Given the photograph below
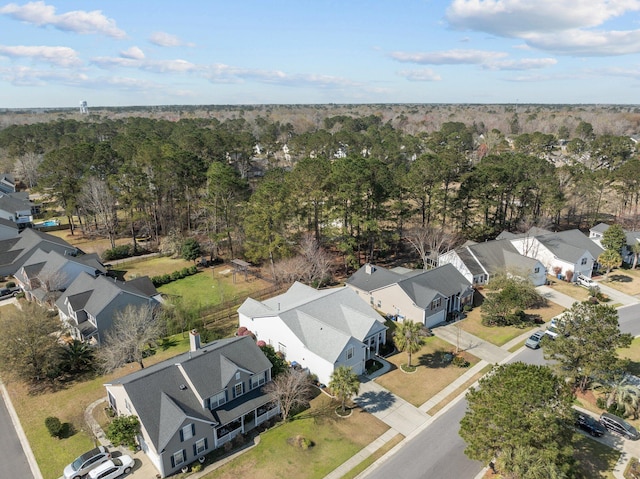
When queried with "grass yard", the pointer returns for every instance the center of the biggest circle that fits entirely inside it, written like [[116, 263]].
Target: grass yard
[[152, 266], [500, 335], [87, 244], [578, 293], [624, 280], [632, 353], [432, 374], [69, 405], [213, 286], [335, 440], [595, 460]]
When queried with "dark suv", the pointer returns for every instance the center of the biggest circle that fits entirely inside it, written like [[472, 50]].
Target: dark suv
[[619, 425], [589, 424], [9, 292]]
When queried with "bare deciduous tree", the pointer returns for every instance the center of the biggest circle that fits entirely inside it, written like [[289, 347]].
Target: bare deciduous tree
[[134, 330], [312, 266], [429, 242], [50, 282], [291, 389], [26, 168], [99, 202]]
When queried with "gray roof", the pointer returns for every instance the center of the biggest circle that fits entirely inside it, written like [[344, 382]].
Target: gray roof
[[369, 278], [600, 228], [9, 224], [102, 297], [52, 262], [444, 280], [162, 405], [533, 231], [570, 245], [632, 236], [14, 252], [14, 202], [493, 257], [324, 320]]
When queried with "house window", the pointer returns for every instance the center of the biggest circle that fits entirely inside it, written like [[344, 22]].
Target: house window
[[127, 405], [350, 352], [178, 458], [436, 303], [379, 304], [371, 299], [200, 446], [187, 432], [536, 270], [258, 380], [282, 348], [584, 261], [237, 390], [237, 375], [218, 399]]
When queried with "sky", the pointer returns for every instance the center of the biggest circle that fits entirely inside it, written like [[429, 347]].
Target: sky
[[56, 53]]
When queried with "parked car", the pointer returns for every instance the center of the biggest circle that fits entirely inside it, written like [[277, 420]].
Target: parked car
[[586, 282], [534, 340], [619, 425], [552, 331], [85, 463], [9, 292], [113, 468], [589, 424]]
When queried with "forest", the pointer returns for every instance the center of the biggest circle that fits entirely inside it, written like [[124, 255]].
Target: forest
[[362, 181]]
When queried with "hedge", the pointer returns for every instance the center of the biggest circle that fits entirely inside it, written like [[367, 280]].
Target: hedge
[[176, 275]]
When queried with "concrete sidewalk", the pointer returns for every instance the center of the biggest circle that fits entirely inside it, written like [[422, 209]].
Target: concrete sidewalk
[[455, 335], [556, 296]]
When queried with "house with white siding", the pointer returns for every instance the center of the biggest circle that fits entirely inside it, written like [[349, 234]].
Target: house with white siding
[[318, 329]]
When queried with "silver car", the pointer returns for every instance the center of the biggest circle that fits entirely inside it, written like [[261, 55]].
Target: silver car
[[89, 460], [534, 340]]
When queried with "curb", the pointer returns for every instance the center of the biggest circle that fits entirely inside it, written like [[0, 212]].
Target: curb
[[26, 447]]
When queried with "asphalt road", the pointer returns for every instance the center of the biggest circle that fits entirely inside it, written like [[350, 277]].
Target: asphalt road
[[12, 457], [437, 452]]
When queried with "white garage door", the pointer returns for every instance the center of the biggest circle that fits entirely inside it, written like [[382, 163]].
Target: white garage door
[[434, 319]]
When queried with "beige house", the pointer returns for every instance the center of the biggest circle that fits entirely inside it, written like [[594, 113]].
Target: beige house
[[427, 297]]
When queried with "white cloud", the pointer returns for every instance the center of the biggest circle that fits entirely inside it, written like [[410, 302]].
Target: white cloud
[[517, 17], [561, 26], [60, 56], [78, 21], [27, 76], [420, 75], [157, 66], [449, 57], [163, 39], [524, 64], [134, 53]]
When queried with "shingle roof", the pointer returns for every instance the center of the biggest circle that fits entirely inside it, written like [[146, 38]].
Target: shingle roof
[[163, 405], [569, 245], [323, 320], [370, 278], [15, 251]]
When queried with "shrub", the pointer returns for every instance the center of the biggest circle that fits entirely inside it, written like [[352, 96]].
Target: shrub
[[11, 284], [196, 467], [460, 362], [54, 426], [601, 403], [119, 252]]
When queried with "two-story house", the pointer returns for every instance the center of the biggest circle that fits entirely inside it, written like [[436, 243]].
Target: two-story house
[[633, 237], [426, 297], [15, 251], [194, 403], [319, 329], [46, 274], [17, 207], [89, 305]]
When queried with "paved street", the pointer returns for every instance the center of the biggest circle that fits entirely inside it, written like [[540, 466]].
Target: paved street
[[12, 457]]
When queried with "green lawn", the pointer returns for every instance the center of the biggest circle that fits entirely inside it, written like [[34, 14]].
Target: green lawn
[[68, 404], [595, 460], [334, 440]]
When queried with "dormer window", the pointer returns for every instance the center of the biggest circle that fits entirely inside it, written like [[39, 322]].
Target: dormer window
[[258, 380], [218, 400], [238, 390]]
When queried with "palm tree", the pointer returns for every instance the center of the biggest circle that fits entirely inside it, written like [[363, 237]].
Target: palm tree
[[407, 338], [609, 259], [344, 383], [622, 392], [77, 356], [527, 462]]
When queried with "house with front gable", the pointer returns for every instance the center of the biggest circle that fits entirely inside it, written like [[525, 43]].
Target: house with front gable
[[17, 207], [426, 297], [90, 304], [46, 274], [633, 237], [480, 262], [196, 402], [7, 183], [318, 329], [15, 251], [569, 250]]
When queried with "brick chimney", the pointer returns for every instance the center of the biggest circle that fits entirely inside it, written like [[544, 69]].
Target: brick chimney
[[194, 340]]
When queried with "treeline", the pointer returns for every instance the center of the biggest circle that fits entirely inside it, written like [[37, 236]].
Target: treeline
[[356, 183]]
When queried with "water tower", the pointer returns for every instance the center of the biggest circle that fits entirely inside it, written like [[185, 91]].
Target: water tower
[[84, 109]]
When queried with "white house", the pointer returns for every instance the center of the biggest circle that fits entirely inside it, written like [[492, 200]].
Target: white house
[[565, 251], [479, 262], [633, 237], [318, 329]]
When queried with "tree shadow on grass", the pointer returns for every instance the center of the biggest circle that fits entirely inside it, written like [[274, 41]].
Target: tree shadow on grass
[[167, 343], [372, 401], [436, 360], [620, 278]]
